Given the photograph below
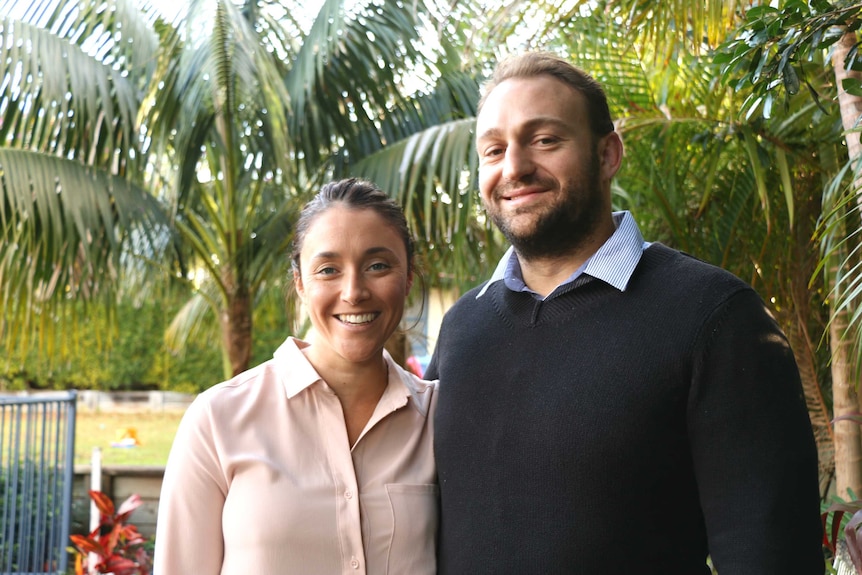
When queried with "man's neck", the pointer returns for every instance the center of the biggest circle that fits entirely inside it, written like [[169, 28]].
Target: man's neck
[[544, 274]]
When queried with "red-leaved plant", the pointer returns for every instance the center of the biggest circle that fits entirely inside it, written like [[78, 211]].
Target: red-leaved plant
[[114, 546]]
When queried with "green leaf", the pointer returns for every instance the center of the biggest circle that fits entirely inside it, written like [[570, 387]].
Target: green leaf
[[791, 80], [758, 12], [786, 182], [852, 86], [757, 169], [853, 61], [768, 100]]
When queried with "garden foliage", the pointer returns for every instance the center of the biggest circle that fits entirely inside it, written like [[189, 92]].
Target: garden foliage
[[115, 545]]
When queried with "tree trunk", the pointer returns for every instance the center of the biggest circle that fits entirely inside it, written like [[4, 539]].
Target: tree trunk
[[848, 444], [236, 332], [848, 439], [799, 318], [818, 411]]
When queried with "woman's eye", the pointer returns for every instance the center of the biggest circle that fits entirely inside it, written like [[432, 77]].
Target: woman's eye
[[378, 266], [326, 271]]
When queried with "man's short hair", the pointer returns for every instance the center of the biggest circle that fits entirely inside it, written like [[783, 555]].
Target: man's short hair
[[532, 64]]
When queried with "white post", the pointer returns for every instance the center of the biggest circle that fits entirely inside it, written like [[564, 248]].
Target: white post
[[95, 485]]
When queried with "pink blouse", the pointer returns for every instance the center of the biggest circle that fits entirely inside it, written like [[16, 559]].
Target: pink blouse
[[261, 479]]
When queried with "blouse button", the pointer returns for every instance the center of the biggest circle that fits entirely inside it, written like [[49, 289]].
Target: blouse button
[[348, 494], [354, 563]]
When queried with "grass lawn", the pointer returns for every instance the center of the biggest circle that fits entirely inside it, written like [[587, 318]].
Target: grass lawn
[[155, 432]]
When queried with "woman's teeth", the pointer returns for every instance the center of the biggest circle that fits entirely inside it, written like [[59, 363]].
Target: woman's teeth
[[356, 318]]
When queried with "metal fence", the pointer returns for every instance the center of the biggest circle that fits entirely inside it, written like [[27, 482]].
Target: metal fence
[[37, 449]]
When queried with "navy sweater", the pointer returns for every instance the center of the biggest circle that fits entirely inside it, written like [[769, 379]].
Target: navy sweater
[[624, 432]]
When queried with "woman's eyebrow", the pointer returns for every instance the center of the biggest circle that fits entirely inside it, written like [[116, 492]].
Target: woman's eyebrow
[[370, 252]]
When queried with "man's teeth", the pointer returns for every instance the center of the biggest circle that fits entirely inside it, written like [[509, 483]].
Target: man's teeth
[[356, 317]]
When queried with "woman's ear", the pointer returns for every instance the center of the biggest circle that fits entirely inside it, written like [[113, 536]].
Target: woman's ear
[[409, 282], [297, 283]]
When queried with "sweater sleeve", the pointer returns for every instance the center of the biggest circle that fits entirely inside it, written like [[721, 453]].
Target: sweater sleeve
[[752, 445], [189, 527]]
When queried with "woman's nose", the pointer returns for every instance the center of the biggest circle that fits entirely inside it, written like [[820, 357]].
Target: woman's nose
[[354, 289]]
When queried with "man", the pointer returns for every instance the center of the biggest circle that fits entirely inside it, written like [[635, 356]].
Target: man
[[607, 405]]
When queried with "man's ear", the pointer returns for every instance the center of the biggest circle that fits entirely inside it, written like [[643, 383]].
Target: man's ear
[[610, 151]]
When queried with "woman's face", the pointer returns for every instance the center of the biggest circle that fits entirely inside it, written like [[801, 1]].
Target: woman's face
[[353, 279]]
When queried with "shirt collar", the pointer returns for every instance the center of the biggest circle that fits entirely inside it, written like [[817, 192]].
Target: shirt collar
[[614, 262], [297, 373], [294, 369]]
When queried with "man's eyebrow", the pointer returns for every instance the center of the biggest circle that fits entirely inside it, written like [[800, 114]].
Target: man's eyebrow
[[489, 133], [532, 124]]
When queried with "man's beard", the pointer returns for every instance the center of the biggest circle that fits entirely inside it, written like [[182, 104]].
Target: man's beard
[[567, 225]]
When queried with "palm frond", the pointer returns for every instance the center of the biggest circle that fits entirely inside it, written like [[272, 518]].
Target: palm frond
[[269, 246], [70, 232], [432, 174], [195, 319], [351, 69], [38, 73], [118, 33], [839, 235]]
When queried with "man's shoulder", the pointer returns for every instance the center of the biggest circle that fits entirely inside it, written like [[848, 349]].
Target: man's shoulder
[[684, 266], [470, 298], [676, 276], [468, 305]]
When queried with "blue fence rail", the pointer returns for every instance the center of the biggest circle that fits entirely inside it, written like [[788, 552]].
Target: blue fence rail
[[37, 450]]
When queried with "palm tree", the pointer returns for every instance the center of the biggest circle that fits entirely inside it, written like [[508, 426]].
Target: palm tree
[[134, 145]]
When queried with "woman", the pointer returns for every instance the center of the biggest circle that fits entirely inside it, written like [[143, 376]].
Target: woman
[[320, 460]]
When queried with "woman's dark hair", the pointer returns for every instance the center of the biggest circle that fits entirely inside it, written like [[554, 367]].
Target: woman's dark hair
[[355, 194]]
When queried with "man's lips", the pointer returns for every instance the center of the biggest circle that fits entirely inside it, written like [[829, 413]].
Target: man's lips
[[520, 193]]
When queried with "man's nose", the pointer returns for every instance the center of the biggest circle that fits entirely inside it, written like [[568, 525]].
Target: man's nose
[[517, 163]]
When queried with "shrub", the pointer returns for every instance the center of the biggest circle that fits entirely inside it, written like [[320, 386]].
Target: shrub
[[29, 493], [116, 545]]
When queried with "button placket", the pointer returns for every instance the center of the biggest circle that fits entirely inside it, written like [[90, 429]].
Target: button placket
[[346, 491], [349, 509]]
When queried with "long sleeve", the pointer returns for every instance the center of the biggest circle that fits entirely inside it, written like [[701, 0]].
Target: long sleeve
[[753, 450], [189, 529]]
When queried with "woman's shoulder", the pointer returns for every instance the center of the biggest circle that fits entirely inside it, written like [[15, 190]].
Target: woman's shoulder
[[411, 380], [422, 391], [243, 387]]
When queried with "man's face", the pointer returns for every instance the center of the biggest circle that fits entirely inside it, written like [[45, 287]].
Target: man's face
[[540, 173]]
